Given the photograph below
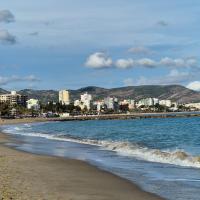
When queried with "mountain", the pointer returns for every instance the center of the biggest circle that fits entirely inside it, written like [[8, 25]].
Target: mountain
[[42, 95], [2, 91], [174, 92]]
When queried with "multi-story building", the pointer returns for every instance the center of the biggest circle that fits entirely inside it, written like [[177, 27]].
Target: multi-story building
[[14, 99], [167, 103], [86, 100], [111, 103], [146, 102], [33, 104], [79, 104], [155, 101], [99, 105], [129, 102], [64, 97], [193, 105]]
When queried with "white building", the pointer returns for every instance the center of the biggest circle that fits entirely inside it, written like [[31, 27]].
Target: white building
[[109, 102], [86, 97], [77, 102], [155, 101], [146, 102], [64, 97], [33, 104], [63, 115], [86, 100], [193, 105], [167, 103], [99, 105]]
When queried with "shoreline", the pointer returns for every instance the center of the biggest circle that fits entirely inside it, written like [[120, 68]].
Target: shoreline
[[103, 117], [58, 178]]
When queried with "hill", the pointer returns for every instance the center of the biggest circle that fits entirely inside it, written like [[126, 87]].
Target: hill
[[174, 92]]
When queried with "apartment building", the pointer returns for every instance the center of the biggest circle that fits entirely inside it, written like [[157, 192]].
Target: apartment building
[[14, 99]]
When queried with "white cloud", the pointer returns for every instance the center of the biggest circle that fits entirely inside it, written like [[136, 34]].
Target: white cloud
[[6, 80], [6, 16], [179, 62], [195, 85], [6, 37], [146, 62], [124, 63], [167, 61], [99, 60]]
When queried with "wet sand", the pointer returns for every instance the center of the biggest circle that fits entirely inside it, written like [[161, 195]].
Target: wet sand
[[25, 176]]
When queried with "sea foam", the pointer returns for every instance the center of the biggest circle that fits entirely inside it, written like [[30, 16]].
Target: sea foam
[[174, 157]]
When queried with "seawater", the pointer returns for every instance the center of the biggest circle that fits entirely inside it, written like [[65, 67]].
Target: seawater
[[160, 155]]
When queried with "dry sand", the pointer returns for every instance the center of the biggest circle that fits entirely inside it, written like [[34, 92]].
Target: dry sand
[[25, 176]]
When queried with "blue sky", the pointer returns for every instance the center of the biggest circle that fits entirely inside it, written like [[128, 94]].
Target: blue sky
[[109, 43]]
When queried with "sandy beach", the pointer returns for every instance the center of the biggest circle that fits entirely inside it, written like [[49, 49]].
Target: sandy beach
[[26, 176]]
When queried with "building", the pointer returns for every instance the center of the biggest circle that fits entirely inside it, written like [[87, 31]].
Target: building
[[99, 105], [33, 104], [79, 104], [167, 103], [64, 97], [193, 106], [129, 102], [86, 100], [155, 101], [14, 99], [146, 102], [86, 97], [111, 103], [63, 115]]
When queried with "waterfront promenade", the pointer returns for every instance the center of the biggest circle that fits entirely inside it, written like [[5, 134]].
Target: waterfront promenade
[[129, 116], [104, 117]]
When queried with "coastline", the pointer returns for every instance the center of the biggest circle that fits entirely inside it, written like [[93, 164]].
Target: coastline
[[103, 117], [29, 176]]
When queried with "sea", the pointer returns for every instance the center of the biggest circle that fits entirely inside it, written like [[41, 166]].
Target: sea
[[162, 156]]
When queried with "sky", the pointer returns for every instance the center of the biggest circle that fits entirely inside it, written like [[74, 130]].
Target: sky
[[68, 44]]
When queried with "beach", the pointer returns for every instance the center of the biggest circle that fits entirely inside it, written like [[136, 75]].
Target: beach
[[29, 176]]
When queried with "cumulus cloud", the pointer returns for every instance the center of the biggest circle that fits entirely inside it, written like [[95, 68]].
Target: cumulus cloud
[[188, 62], [99, 60], [147, 62], [6, 16], [6, 37], [12, 79], [124, 63], [150, 63], [195, 85], [130, 63]]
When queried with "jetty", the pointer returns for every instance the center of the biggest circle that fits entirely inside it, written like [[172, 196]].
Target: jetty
[[127, 116]]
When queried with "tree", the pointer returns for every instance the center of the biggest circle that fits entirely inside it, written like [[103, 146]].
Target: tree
[[4, 109]]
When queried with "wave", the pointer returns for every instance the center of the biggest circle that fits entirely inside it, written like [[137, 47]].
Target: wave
[[176, 157]]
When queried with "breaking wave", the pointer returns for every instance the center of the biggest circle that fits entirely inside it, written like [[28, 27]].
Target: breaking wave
[[176, 157]]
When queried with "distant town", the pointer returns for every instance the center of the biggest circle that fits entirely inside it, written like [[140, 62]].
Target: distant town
[[15, 105]]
